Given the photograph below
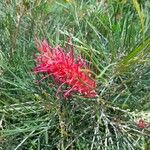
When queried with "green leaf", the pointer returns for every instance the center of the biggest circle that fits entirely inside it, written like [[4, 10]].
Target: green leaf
[[140, 12]]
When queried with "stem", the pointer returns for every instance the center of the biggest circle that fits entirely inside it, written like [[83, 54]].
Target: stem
[[62, 125]]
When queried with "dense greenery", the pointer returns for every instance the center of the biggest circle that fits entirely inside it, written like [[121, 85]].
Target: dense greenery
[[114, 36]]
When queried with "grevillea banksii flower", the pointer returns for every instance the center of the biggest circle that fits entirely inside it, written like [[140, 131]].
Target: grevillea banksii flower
[[62, 65], [142, 124]]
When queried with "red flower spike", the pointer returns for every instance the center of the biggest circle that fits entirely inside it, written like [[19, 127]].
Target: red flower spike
[[65, 68]]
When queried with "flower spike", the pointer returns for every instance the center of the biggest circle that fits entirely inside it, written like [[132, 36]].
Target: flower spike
[[65, 68]]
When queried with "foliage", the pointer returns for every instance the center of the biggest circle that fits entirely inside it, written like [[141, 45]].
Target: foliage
[[114, 36]]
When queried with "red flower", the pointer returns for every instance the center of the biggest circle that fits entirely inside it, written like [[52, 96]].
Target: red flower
[[142, 124], [66, 69]]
